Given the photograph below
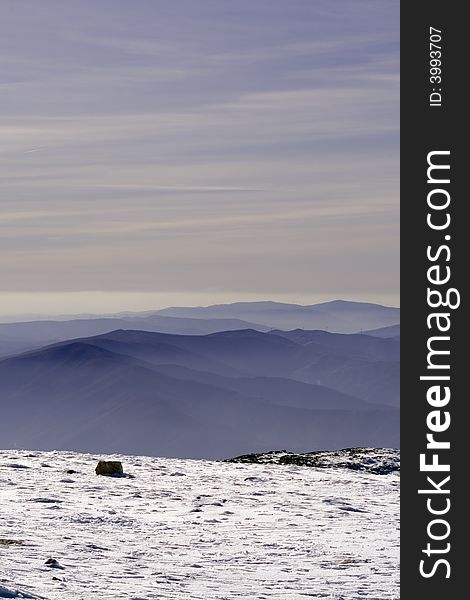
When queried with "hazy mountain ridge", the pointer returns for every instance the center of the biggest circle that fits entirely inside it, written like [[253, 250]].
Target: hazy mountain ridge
[[209, 396], [363, 345], [337, 316], [20, 337], [283, 354]]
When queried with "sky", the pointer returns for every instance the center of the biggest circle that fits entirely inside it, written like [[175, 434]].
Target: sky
[[161, 152]]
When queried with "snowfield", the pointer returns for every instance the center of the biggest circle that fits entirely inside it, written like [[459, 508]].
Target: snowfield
[[194, 529]]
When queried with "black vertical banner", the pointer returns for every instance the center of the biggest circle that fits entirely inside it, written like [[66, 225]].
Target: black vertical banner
[[433, 299]]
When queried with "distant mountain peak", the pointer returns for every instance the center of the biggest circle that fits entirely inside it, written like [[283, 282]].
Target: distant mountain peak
[[351, 304]]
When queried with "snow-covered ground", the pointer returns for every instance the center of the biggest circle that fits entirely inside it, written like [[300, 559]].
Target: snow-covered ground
[[194, 529]]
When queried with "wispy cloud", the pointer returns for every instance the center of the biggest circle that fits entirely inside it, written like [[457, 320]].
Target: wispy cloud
[[160, 147]]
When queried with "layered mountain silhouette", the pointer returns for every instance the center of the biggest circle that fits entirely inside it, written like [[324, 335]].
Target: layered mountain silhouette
[[203, 396], [338, 316], [19, 337]]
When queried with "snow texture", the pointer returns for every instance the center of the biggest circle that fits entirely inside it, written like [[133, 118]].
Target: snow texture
[[194, 529]]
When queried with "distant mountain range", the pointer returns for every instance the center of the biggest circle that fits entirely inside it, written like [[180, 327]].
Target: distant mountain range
[[203, 396], [338, 316], [19, 337]]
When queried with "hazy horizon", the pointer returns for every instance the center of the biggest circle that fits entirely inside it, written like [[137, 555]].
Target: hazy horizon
[[89, 303], [158, 153]]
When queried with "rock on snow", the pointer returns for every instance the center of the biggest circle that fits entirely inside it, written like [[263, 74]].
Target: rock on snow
[[380, 461], [216, 531], [109, 467]]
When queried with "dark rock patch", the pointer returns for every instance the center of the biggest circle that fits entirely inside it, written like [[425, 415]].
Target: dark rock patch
[[53, 563], [10, 542], [111, 468], [379, 461]]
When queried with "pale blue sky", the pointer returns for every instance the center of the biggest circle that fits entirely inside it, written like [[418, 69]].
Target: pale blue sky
[[193, 151]]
